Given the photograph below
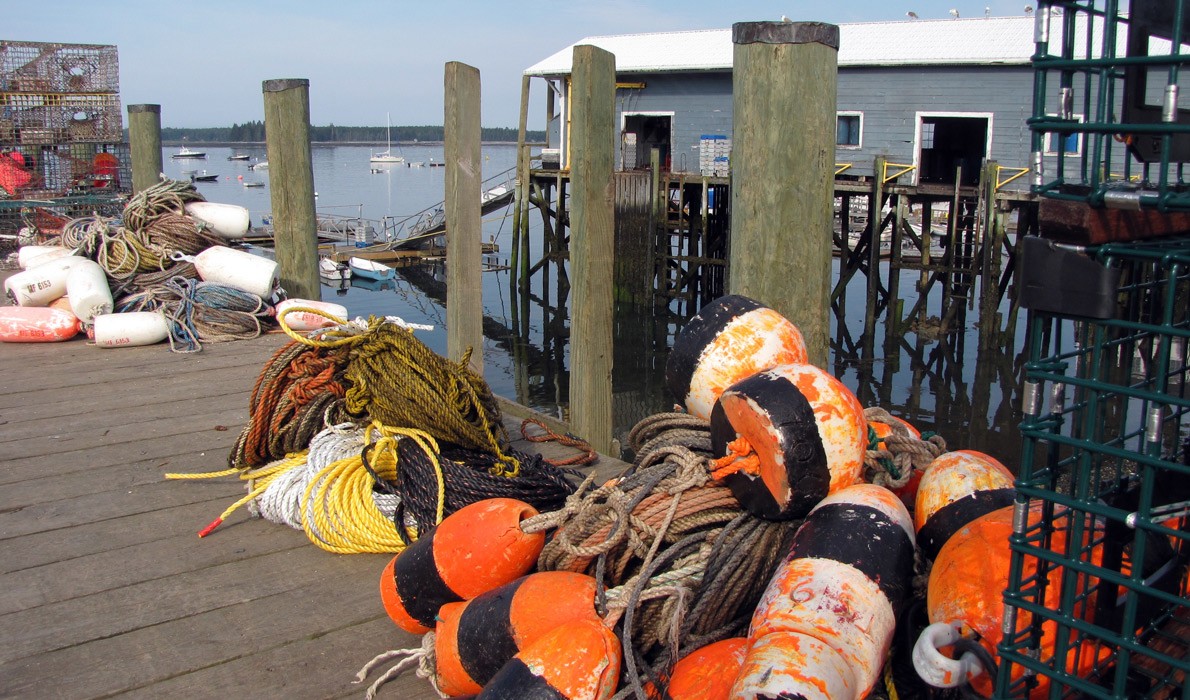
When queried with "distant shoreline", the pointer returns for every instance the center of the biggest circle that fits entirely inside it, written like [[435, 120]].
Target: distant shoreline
[[316, 144]]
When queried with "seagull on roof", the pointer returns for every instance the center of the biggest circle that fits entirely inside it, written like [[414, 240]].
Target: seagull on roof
[[785, 19], [954, 13], [1028, 9], [911, 14]]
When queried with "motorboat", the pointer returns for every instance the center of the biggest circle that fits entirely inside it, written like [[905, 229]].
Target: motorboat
[[330, 270], [386, 156], [204, 176], [239, 156], [253, 183], [262, 165], [185, 152], [370, 269]]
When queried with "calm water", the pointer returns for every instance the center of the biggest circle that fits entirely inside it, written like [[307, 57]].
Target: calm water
[[948, 385]]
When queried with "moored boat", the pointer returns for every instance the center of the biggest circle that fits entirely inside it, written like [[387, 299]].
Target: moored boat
[[370, 269], [185, 152], [331, 270]]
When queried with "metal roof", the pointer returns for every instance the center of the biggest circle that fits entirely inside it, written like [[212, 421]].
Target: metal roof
[[983, 40]]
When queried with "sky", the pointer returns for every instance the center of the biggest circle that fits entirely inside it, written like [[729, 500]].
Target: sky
[[204, 61]]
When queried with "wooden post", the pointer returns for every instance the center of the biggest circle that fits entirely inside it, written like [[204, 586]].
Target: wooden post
[[144, 141], [592, 140], [876, 230], [520, 186], [291, 182], [782, 168], [464, 223]]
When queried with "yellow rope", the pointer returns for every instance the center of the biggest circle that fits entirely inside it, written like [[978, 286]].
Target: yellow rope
[[264, 475]]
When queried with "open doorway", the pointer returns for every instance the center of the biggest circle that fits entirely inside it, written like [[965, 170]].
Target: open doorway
[[949, 141], [640, 133]]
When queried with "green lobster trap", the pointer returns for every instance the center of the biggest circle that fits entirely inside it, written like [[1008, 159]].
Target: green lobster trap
[[1097, 603]]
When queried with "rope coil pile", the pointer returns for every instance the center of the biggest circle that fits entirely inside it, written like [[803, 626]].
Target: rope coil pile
[[903, 453]]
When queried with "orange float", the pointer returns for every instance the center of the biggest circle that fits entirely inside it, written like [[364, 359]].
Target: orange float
[[732, 338], [476, 638], [577, 660], [787, 437], [707, 673], [36, 324], [475, 549], [955, 489]]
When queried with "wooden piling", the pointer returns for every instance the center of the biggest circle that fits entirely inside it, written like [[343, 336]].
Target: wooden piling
[[464, 223], [592, 138], [291, 184], [782, 162], [144, 142]]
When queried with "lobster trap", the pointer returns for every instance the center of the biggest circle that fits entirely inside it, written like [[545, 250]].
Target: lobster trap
[[1098, 600], [1108, 127]]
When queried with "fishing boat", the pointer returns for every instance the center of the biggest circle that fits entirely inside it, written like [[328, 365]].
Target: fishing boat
[[238, 156], [185, 152], [253, 183], [204, 176], [386, 156], [330, 270], [370, 269], [262, 165]]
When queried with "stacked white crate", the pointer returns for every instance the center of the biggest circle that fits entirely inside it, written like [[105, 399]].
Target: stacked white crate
[[714, 155]]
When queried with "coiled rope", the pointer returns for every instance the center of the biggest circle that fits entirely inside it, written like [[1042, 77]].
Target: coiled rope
[[165, 197], [893, 465], [200, 311]]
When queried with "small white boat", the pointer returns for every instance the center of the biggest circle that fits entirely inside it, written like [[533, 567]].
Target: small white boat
[[262, 165], [238, 156], [187, 153], [417, 164], [330, 270], [253, 184], [370, 269], [386, 156]]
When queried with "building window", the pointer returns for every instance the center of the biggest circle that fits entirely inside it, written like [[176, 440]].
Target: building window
[[927, 135], [849, 129], [1070, 144]]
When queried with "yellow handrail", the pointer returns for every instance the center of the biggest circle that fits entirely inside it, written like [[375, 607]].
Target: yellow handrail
[[904, 168], [1018, 172], [840, 167]]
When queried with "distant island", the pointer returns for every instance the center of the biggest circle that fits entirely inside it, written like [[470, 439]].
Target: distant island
[[253, 132]]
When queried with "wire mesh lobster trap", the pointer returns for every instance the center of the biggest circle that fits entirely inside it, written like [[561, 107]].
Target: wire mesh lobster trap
[[1107, 126], [1098, 599]]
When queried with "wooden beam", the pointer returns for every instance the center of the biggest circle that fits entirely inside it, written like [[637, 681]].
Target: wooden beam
[[464, 220], [782, 164], [592, 217], [291, 185], [144, 141]]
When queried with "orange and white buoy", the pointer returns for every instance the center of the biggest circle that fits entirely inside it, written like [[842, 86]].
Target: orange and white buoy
[[793, 665], [475, 639], [841, 587], [956, 488], [787, 437], [300, 320], [473, 550], [730, 339], [130, 329], [707, 673], [36, 324], [577, 660]]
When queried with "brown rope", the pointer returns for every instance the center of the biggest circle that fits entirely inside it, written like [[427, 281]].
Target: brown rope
[[588, 456], [904, 452]]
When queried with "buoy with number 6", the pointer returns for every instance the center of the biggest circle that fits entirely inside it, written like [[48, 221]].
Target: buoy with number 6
[[36, 324], [239, 269], [40, 285], [130, 329], [300, 320]]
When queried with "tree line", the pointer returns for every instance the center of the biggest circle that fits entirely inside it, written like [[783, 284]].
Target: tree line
[[253, 131]]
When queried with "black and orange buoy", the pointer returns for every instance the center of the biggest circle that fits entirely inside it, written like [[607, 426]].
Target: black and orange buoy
[[956, 488], [731, 338], [787, 437], [577, 660], [475, 549]]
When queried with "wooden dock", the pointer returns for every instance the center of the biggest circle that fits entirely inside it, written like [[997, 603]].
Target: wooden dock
[[107, 589]]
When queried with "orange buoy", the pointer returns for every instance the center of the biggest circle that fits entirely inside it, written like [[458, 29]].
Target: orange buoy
[[792, 665], [732, 338], [707, 673], [476, 638], [844, 581], [803, 436], [36, 324], [955, 489], [475, 549], [577, 660], [966, 588]]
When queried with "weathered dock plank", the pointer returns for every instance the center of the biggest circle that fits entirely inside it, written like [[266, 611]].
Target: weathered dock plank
[[109, 592]]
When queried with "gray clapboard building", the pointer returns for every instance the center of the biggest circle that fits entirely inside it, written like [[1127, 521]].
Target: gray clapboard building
[[933, 94]]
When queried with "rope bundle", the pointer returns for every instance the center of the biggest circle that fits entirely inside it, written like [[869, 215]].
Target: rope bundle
[[904, 452], [200, 311], [677, 561], [152, 203]]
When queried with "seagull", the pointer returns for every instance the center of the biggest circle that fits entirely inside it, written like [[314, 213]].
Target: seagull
[[987, 11], [954, 13], [785, 19], [1028, 9], [911, 14]]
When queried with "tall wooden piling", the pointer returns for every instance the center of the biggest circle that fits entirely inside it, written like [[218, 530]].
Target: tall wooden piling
[[464, 222], [291, 182], [592, 139], [144, 142], [783, 151]]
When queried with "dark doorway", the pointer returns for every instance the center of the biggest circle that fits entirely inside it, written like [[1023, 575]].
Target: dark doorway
[[642, 133], [950, 142]]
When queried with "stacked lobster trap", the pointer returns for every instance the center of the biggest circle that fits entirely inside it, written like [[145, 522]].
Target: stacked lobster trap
[[1098, 598], [61, 126]]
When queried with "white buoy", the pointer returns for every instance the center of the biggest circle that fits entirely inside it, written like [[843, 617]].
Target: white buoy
[[130, 329], [236, 268], [42, 284], [306, 320], [30, 256], [227, 220], [88, 291]]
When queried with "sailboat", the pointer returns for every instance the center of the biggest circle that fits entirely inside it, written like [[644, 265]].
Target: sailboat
[[386, 156]]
